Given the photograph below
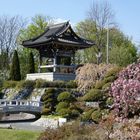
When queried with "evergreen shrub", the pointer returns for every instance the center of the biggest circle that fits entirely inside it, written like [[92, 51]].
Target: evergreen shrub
[[46, 111], [26, 84], [10, 84], [61, 105], [109, 79], [96, 115], [71, 84], [99, 84], [113, 71], [15, 68], [58, 84], [65, 112], [74, 113], [64, 96], [49, 99], [40, 83], [31, 65], [93, 95], [106, 86], [86, 116], [109, 101], [49, 93]]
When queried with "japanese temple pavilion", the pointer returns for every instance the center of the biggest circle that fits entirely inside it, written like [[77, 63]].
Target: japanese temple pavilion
[[57, 47]]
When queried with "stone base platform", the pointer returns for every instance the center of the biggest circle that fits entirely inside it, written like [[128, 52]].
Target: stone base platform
[[51, 76]]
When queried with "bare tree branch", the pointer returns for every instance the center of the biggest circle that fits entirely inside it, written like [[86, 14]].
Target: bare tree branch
[[101, 14], [9, 29]]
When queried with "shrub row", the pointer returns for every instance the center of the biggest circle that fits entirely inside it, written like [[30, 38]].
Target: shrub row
[[39, 84]]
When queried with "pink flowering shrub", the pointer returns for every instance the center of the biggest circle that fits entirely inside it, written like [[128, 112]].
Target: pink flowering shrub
[[126, 91]]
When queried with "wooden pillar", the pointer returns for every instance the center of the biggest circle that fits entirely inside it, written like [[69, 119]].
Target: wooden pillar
[[74, 69], [73, 57], [40, 62], [54, 63]]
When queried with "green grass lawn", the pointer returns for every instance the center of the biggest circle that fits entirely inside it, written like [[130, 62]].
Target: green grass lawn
[[9, 134]]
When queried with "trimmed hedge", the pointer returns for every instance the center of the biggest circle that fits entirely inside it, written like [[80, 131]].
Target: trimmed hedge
[[106, 86], [64, 96], [86, 116], [93, 95], [26, 84], [49, 99], [96, 115], [10, 84], [109, 79], [61, 105], [39, 84], [99, 84], [58, 84], [46, 111], [109, 101], [74, 113], [65, 112], [113, 72]]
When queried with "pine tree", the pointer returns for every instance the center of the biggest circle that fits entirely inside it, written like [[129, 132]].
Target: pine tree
[[15, 68], [31, 66]]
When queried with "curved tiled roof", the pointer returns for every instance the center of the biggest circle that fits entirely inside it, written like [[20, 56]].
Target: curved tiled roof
[[56, 34]]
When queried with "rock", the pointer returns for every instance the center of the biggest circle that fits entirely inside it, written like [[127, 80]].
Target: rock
[[6, 126]]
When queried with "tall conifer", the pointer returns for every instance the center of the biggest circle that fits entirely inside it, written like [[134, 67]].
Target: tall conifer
[[15, 68], [31, 66]]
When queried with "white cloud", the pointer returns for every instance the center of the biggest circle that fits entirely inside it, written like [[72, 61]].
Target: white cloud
[[60, 20]]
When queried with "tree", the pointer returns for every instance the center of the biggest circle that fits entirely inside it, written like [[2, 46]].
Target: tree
[[15, 68], [31, 67], [123, 55], [121, 49], [125, 91], [102, 16], [86, 29], [87, 75], [9, 29], [37, 26]]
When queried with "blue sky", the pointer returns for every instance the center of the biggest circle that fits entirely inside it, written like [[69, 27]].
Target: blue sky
[[126, 11]]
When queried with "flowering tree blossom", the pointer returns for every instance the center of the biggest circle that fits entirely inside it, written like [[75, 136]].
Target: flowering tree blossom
[[126, 91], [87, 75]]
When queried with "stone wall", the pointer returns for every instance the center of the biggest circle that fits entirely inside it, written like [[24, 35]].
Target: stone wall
[[32, 94], [51, 76], [50, 122]]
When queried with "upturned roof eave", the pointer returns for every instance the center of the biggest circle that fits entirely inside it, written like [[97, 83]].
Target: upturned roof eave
[[77, 45], [55, 38]]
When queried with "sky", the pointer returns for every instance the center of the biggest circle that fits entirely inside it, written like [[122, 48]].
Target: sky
[[126, 12]]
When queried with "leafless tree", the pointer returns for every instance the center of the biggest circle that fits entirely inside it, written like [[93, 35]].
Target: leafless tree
[[9, 29], [102, 15]]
